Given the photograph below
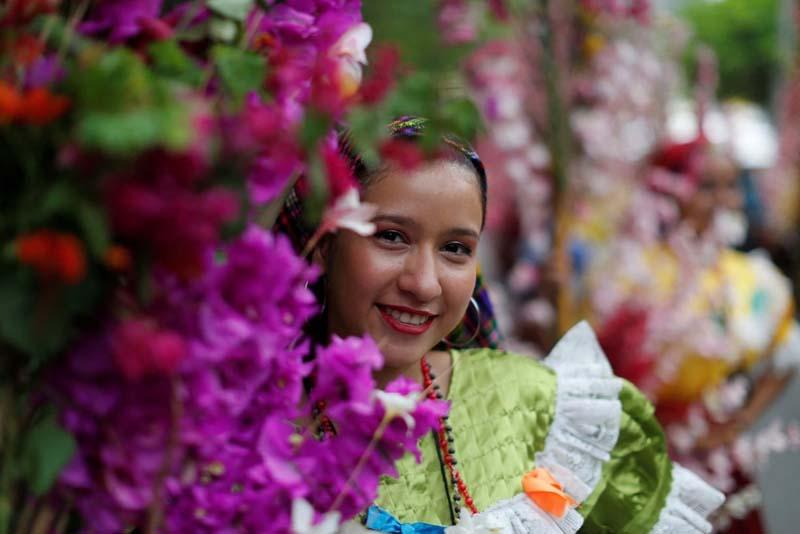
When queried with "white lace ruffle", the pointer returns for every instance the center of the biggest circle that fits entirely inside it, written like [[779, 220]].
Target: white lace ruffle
[[518, 515], [587, 413], [583, 433], [689, 503]]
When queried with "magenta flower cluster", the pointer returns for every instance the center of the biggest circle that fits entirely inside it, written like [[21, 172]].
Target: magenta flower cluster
[[230, 440], [195, 409]]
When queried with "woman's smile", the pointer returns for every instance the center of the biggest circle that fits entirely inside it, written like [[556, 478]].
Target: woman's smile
[[406, 320]]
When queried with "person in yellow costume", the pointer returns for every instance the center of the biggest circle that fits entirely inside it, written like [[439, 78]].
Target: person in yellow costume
[[702, 313]]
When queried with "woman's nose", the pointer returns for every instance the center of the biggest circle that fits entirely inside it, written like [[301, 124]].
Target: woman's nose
[[420, 276]]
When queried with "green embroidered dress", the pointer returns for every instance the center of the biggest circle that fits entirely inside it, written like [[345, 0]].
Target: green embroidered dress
[[593, 431]]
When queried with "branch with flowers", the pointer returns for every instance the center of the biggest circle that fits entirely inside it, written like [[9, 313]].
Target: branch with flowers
[[153, 370]]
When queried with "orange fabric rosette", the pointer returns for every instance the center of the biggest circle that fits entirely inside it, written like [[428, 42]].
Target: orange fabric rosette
[[548, 494]]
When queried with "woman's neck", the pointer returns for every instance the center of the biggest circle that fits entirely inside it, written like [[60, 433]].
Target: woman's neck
[[441, 366], [387, 374]]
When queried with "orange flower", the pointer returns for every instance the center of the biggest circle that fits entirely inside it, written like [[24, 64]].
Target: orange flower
[[37, 106], [118, 258], [40, 106], [10, 102], [54, 255], [548, 494]]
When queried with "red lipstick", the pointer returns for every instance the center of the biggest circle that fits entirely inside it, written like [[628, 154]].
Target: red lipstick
[[406, 328]]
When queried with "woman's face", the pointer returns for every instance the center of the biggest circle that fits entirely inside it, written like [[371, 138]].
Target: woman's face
[[718, 187], [409, 284]]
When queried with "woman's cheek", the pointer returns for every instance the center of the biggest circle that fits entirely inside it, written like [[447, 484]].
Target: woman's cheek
[[461, 284]]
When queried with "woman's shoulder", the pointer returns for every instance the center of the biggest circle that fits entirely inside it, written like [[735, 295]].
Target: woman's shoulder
[[481, 360], [606, 446]]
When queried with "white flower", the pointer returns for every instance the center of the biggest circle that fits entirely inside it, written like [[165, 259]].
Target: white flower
[[349, 51], [347, 212], [350, 213], [398, 405], [303, 519]]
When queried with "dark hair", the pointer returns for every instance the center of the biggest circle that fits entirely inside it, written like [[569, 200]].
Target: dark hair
[[411, 130]]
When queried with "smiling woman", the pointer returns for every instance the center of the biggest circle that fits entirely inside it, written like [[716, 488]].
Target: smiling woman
[[528, 446], [410, 283]]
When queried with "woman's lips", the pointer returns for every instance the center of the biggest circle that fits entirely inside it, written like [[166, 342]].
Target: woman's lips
[[405, 327]]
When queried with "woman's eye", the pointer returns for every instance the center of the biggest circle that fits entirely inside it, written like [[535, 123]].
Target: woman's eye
[[458, 248], [390, 236]]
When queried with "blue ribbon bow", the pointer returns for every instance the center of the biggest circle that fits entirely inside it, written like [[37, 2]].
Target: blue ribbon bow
[[382, 521]]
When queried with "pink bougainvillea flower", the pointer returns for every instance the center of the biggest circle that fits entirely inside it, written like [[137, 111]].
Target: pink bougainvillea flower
[[44, 71], [141, 348], [382, 78], [121, 19], [405, 154], [338, 169]]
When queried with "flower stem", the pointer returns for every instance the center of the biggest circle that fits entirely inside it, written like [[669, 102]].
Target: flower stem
[[155, 513], [69, 30], [361, 462]]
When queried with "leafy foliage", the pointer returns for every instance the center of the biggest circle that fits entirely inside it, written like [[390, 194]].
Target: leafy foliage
[[743, 34]]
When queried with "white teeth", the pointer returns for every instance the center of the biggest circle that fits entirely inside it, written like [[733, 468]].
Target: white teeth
[[408, 318]]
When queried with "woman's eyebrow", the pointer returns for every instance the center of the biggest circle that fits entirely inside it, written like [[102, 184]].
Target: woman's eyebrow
[[392, 218], [465, 232]]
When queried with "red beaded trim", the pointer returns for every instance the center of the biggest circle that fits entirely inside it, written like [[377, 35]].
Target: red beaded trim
[[446, 456], [325, 423]]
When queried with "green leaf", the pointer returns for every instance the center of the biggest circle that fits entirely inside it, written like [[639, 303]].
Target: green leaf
[[128, 132], [46, 450], [232, 9], [95, 228], [315, 126], [16, 312], [240, 71], [40, 325], [416, 94], [367, 129], [462, 117], [118, 80], [59, 199], [170, 61], [314, 205]]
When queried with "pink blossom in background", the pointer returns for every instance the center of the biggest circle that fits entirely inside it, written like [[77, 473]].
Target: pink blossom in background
[[457, 22], [120, 19]]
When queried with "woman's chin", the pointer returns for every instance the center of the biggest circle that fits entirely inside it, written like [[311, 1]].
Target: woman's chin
[[402, 357]]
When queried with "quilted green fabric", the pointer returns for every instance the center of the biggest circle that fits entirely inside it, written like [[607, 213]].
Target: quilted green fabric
[[502, 408]]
